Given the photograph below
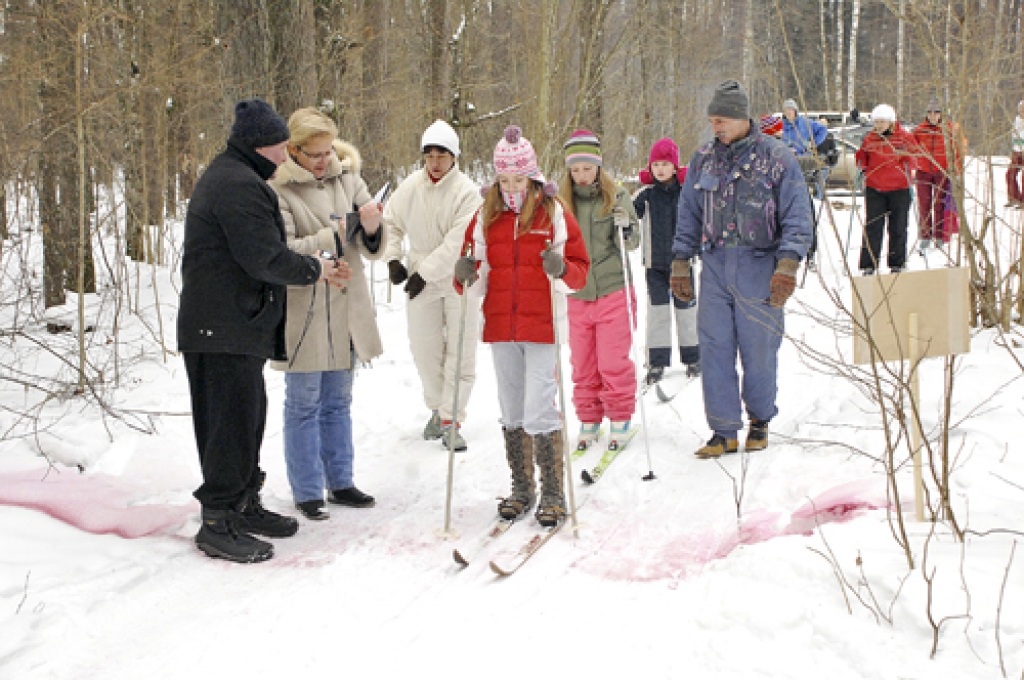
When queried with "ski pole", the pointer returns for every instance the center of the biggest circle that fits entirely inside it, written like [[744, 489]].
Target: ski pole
[[627, 276], [454, 427], [561, 410]]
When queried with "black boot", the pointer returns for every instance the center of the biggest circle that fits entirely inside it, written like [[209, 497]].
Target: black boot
[[253, 518], [219, 537]]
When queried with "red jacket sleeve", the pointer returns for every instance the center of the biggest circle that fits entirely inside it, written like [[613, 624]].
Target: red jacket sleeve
[[467, 243], [577, 261]]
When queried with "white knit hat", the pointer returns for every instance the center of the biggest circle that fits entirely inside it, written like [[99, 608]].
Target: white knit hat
[[440, 134], [883, 112]]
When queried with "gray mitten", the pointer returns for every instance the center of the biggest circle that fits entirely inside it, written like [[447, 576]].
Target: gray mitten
[[554, 263], [465, 271]]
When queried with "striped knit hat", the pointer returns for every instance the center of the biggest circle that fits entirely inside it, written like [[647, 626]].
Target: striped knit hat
[[583, 147], [514, 155]]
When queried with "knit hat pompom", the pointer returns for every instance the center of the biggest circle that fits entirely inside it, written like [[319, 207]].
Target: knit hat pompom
[[550, 189], [583, 147], [257, 124], [514, 155]]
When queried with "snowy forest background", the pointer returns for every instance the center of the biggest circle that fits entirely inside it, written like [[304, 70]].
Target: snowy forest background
[[109, 111]]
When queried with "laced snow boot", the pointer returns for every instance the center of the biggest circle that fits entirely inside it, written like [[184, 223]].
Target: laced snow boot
[[519, 452], [432, 430], [716, 446], [550, 459], [589, 434], [757, 436], [253, 518], [219, 537]]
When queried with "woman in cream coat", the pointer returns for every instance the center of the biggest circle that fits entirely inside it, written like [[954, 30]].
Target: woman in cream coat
[[327, 330]]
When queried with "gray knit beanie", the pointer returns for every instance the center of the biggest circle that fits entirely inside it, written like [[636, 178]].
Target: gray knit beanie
[[934, 105], [730, 101], [257, 124], [790, 104]]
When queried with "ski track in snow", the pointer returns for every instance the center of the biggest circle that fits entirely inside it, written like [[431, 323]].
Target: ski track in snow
[[671, 582]]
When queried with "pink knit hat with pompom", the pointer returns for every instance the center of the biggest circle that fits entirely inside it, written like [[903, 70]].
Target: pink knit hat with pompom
[[514, 155]]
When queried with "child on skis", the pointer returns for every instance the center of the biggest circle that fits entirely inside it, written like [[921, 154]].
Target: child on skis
[[603, 374], [520, 243], [658, 200]]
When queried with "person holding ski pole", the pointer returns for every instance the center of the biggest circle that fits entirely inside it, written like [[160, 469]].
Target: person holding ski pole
[[432, 207], [659, 201], [603, 374], [518, 242], [745, 209]]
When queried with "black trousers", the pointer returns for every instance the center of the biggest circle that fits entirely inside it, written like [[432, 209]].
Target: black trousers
[[887, 211], [229, 412]]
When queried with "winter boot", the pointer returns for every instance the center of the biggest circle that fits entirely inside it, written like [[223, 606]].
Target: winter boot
[[352, 497], [716, 446], [432, 430], [314, 510], [589, 434], [253, 518], [550, 459], [757, 436], [693, 370], [219, 537], [654, 374], [519, 452], [448, 431], [619, 434]]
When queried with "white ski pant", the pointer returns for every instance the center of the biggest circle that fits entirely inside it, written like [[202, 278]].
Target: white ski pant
[[527, 386], [433, 320]]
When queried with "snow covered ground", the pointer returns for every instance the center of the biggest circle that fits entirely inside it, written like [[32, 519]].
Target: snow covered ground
[[99, 577]]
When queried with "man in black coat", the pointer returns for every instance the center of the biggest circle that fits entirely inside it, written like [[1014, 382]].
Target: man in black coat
[[235, 269]]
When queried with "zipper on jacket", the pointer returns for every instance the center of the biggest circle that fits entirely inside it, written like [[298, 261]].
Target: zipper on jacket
[[515, 276]]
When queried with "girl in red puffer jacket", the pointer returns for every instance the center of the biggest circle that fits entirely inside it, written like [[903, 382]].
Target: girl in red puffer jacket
[[519, 244], [887, 157]]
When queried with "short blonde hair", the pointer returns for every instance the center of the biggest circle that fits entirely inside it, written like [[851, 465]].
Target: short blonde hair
[[305, 124]]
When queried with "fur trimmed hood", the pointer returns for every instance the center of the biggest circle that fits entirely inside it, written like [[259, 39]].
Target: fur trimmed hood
[[347, 160]]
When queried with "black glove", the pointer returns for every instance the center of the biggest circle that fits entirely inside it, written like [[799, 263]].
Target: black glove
[[397, 272], [415, 285]]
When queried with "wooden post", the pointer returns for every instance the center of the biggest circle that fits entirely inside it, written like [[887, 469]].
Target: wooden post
[[915, 426]]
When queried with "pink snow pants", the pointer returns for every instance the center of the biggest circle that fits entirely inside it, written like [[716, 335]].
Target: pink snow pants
[[603, 374]]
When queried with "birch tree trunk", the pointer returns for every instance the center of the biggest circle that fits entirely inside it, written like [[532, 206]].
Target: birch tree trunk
[[840, 41], [900, 46], [824, 52], [851, 77]]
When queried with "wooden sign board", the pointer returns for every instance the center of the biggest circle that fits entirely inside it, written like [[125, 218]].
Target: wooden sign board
[[939, 297]]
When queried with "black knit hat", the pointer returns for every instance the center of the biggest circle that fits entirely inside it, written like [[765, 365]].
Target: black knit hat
[[257, 124], [730, 101]]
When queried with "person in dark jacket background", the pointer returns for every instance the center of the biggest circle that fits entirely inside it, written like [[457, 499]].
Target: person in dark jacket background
[[234, 270], [658, 201]]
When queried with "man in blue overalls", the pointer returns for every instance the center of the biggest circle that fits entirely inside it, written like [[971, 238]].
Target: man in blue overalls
[[745, 209]]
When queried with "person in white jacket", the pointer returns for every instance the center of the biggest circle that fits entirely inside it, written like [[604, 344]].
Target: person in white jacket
[[430, 211]]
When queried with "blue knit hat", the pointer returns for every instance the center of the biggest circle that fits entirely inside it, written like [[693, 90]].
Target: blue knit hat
[[257, 124]]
